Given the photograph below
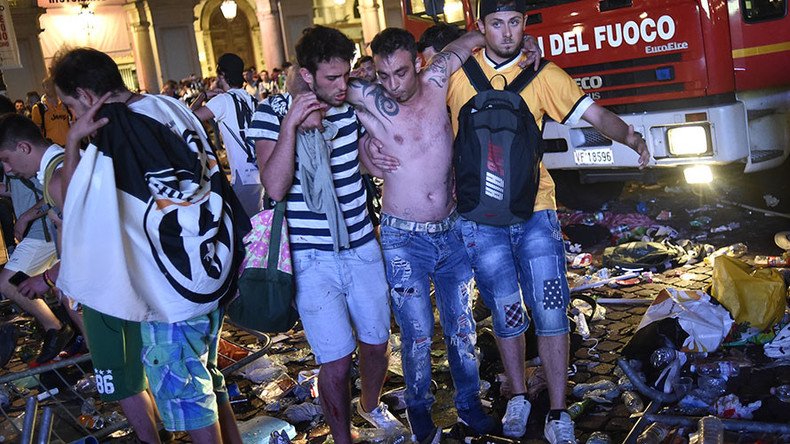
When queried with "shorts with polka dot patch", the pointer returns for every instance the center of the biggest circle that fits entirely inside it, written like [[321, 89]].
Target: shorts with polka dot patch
[[517, 265]]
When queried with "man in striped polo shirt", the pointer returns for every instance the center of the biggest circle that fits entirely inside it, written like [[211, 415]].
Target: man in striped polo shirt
[[341, 289]]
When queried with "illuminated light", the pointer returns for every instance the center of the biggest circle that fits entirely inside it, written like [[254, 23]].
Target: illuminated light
[[229, 9], [86, 18], [698, 174], [340, 2], [688, 140], [454, 11]]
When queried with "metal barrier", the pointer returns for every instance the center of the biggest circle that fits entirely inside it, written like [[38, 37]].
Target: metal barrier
[[62, 402]]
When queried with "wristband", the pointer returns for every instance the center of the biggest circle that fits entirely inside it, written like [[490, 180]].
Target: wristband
[[47, 280]]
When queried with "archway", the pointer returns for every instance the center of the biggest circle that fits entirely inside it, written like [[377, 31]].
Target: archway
[[232, 36]]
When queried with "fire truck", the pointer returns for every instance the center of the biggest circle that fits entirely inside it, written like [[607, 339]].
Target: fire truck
[[706, 82]]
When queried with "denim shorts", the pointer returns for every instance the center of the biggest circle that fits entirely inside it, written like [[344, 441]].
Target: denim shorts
[[339, 294], [531, 254], [180, 360]]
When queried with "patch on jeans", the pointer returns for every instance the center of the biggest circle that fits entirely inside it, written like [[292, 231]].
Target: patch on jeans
[[552, 294], [514, 315], [401, 269], [556, 235]]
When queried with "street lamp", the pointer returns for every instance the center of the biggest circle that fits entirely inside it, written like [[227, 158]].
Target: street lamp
[[228, 8]]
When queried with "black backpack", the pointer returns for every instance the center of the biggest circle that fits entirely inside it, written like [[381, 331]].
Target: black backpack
[[497, 151]]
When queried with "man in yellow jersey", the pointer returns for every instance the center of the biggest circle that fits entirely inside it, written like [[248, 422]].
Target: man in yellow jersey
[[51, 115], [529, 254]]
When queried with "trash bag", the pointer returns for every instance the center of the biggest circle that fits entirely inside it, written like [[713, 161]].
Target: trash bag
[[643, 256], [756, 296], [704, 320]]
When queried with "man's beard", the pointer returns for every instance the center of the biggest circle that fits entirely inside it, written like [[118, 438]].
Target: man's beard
[[507, 55]]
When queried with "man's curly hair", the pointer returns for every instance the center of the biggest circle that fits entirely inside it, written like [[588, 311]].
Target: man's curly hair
[[321, 44], [392, 39]]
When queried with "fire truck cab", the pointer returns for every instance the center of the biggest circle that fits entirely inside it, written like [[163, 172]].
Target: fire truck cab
[[706, 82]]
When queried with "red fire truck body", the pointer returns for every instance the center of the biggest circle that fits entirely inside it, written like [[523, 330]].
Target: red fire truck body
[[705, 81]]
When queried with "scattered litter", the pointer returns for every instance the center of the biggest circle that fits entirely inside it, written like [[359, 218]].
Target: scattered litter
[[260, 428], [664, 215], [304, 412], [730, 406], [729, 227], [770, 200]]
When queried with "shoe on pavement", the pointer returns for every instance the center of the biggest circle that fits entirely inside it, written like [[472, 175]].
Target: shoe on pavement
[[54, 342], [560, 429], [514, 423], [380, 417]]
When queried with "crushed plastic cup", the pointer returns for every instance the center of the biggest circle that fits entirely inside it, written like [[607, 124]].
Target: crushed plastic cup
[[86, 384], [712, 384]]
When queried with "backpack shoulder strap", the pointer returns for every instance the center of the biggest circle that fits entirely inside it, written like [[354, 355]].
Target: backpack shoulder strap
[[524, 77], [32, 187], [476, 75], [41, 110], [53, 164]]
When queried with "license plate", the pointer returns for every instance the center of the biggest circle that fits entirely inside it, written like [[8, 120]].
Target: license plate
[[599, 156]]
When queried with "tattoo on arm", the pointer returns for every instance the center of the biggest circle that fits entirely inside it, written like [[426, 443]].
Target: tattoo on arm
[[437, 71], [385, 105]]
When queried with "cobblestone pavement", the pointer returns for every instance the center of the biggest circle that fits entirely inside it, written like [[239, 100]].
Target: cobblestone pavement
[[593, 360]]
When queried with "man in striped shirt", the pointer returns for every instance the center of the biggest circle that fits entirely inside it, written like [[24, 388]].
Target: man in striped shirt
[[341, 290]]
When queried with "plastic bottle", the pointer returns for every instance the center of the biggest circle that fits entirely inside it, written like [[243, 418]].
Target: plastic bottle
[[711, 430], [579, 390], [632, 401], [656, 433], [721, 369], [663, 356], [576, 409]]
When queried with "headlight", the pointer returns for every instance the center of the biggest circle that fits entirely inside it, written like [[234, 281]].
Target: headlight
[[688, 140], [698, 174]]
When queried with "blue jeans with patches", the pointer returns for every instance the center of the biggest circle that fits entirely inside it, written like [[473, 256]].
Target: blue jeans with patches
[[531, 254], [414, 258]]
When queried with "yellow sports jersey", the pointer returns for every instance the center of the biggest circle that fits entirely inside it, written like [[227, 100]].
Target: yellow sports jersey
[[551, 92], [56, 120]]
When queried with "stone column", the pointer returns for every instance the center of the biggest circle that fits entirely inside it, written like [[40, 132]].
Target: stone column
[[143, 50], [27, 28], [271, 35], [369, 12]]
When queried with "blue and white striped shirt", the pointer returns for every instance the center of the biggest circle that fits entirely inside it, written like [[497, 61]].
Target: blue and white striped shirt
[[306, 228]]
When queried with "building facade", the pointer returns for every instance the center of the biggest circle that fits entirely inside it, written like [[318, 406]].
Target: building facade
[[158, 40]]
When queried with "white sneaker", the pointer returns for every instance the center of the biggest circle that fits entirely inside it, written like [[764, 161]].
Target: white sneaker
[[560, 431], [380, 417], [514, 423]]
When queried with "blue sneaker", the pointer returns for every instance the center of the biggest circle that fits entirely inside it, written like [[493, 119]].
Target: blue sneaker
[[478, 420]]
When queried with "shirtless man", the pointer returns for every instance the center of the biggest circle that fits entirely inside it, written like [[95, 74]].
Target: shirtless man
[[420, 237]]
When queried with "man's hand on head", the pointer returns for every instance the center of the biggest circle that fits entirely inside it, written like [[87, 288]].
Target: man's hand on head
[[86, 126], [531, 51]]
